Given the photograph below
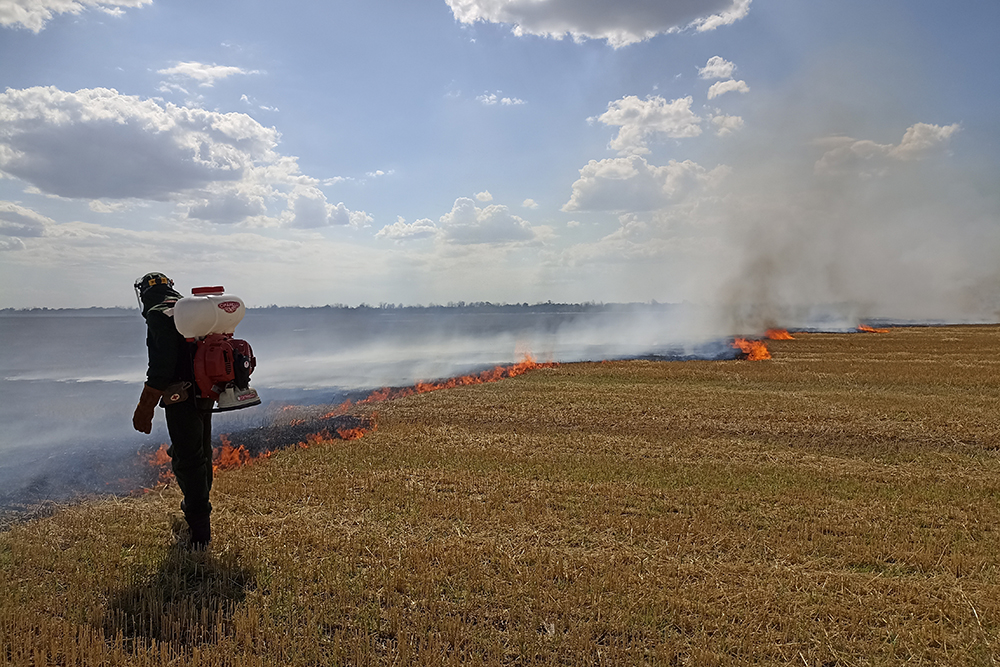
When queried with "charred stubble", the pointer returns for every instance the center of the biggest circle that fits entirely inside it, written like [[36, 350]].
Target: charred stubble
[[834, 505]]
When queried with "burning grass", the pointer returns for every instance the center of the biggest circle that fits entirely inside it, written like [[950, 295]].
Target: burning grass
[[836, 505]]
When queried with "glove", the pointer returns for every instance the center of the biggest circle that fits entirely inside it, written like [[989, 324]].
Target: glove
[[142, 418]]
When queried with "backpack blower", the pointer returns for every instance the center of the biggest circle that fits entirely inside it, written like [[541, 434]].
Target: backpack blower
[[222, 364]]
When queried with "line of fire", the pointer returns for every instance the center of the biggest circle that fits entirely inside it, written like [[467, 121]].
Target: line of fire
[[243, 447]]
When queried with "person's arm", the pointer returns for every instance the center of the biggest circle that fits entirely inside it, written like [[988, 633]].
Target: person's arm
[[163, 345]]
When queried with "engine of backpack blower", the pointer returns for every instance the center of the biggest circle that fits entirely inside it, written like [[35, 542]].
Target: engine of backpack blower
[[222, 364]]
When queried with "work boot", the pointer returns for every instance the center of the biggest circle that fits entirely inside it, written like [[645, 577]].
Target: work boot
[[200, 529]]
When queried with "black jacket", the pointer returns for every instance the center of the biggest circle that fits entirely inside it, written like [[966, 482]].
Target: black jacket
[[171, 357]]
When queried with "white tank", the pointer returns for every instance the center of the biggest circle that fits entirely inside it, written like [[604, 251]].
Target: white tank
[[209, 310]]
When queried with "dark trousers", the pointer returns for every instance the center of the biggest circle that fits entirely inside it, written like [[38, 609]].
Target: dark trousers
[[189, 424]]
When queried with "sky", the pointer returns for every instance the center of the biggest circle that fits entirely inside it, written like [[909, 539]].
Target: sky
[[764, 156]]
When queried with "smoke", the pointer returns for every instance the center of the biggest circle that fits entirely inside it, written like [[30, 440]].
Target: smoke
[[70, 379], [842, 203]]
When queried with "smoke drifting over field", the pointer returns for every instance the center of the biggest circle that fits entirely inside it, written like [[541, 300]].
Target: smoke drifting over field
[[887, 215], [70, 379]]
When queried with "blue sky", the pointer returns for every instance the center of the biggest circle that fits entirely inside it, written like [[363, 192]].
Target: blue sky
[[771, 155]]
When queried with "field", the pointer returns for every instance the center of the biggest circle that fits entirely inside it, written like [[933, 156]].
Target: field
[[836, 505]]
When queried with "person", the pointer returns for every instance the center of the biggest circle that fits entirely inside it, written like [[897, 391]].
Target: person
[[170, 383]]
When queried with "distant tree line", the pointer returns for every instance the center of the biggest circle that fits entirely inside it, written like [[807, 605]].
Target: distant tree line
[[451, 306]]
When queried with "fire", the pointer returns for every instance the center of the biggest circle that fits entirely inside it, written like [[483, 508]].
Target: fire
[[227, 456], [864, 328], [491, 375], [353, 433], [778, 334], [161, 459], [755, 350]]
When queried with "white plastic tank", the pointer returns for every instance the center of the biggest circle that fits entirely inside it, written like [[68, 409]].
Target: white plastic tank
[[209, 310]]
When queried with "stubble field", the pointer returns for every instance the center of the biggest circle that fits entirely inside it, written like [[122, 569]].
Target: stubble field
[[836, 505]]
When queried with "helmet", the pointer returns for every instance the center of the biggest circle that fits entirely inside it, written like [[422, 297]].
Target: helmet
[[150, 280]]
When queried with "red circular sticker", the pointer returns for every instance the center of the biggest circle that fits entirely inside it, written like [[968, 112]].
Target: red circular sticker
[[229, 306]]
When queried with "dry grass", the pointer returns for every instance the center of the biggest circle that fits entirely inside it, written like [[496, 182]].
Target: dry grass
[[834, 506]]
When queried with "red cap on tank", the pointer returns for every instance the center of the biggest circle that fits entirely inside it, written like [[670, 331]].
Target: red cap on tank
[[198, 291]]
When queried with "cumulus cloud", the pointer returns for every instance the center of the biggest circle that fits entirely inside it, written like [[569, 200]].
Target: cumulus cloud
[[227, 206], [97, 144], [619, 23], [309, 209], [723, 87], [717, 68], [632, 184], [11, 243], [489, 99], [737, 10], [865, 157], [16, 220], [484, 196], [204, 75], [726, 124], [466, 223], [403, 231], [529, 203], [921, 138], [641, 120], [34, 14]]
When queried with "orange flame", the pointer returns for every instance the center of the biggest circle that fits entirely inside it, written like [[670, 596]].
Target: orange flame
[[161, 459], [491, 375], [864, 328], [778, 334], [754, 349], [226, 456]]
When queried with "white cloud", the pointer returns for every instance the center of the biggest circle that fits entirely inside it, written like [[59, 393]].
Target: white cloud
[[489, 99], [865, 157], [101, 206], [227, 206], [112, 257], [97, 144], [336, 180], [484, 196], [168, 88], [205, 75], [723, 87], [620, 23], [403, 231], [640, 120], [309, 209], [15, 220], [734, 13], [632, 184], [467, 224], [494, 224], [921, 138], [11, 243], [726, 124], [529, 203], [717, 68], [34, 14]]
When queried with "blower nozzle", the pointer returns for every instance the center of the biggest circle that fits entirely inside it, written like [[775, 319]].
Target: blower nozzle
[[232, 397]]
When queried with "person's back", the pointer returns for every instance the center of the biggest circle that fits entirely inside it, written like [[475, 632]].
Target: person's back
[[169, 382]]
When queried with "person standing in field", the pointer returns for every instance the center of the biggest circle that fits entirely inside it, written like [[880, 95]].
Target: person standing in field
[[170, 383]]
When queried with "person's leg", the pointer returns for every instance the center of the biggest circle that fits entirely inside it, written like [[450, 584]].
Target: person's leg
[[190, 452]]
